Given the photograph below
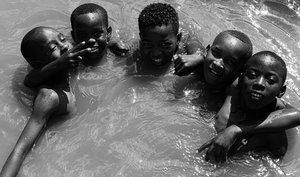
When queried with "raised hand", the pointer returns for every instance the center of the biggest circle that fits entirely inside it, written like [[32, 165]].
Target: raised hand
[[186, 64], [72, 57]]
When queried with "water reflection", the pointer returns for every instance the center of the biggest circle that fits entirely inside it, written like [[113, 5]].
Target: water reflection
[[142, 125]]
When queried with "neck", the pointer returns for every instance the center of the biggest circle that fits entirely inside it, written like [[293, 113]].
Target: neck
[[261, 112], [100, 60]]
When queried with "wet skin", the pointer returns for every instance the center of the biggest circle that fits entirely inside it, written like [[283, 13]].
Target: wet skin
[[91, 26], [51, 45], [262, 82], [158, 45], [224, 60]]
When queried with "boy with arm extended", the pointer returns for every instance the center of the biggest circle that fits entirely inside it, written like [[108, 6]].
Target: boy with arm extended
[[160, 39], [277, 120], [51, 56], [257, 95]]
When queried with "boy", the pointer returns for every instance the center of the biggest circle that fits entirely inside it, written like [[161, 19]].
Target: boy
[[160, 40], [223, 61], [51, 56], [90, 22], [259, 90]]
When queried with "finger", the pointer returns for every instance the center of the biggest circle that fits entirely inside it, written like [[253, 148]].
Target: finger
[[177, 60], [82, 52], [217, 154], [208, 156], [78, 46], [181, 72], [78, 59], [178, 67], [204, 146], [91, 41], [223, 155]]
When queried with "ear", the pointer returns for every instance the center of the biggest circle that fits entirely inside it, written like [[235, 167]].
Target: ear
[[282, 91], [109, 33], [179, 35]]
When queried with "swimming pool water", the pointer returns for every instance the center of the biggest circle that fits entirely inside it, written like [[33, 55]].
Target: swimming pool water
[[141, 125]]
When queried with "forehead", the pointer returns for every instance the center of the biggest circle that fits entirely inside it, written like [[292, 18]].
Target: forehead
[[44, 36], [231, 45], [157, 32], [89, 19], [265, 63]]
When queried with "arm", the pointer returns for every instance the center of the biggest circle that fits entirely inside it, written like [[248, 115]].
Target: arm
[[277, 121], [186, 64], [68, 60], [45, 103]]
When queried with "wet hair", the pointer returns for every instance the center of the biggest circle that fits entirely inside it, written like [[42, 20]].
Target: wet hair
[[158, 14], [242, 37], [278, 60], [89, 8], [29, 45]]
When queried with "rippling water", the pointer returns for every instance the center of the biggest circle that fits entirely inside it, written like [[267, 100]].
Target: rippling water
[[141, 125]]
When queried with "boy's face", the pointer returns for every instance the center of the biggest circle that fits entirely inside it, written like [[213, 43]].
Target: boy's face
[[261, 82], [223, 60], [158, 44], [91, 25], [50, 45]]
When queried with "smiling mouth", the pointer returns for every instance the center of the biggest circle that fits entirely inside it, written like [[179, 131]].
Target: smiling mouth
[[157, 61], [215, 72], [94, 49], [256, 96]]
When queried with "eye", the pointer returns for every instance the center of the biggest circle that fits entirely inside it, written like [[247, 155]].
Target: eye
[[166, 44], [251, 74], [216, 53], [272, 80], [98, 33], [52, 48]]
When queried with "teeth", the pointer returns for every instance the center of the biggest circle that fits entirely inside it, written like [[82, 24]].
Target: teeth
[[215, 73], [256, 95], [157, 60]]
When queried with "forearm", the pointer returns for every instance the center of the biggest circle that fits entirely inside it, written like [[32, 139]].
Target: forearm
[[277, 121], [37, 77]]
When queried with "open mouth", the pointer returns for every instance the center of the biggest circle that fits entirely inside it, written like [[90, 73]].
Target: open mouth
[[94, 49], [157, 61], [256, 96], [218, 72], [215, 73]]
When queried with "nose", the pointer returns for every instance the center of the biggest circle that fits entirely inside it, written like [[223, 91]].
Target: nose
[[259, 84], [156, 53]]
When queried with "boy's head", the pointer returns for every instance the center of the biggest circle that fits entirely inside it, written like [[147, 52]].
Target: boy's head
[[225, 58], [159, 37], [90, 21], [43, 45], [263, 79]]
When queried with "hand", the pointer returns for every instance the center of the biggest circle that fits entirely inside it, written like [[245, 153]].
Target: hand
[[219, 146], [186, 64], [72, 57], [118, 48]]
